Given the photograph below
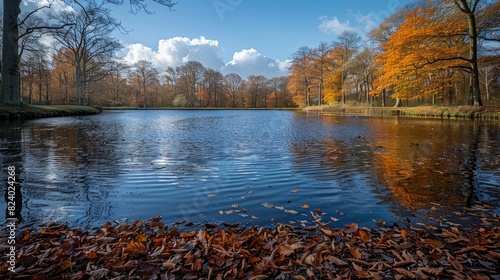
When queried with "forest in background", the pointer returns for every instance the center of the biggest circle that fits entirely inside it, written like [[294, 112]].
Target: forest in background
[[422, 54]]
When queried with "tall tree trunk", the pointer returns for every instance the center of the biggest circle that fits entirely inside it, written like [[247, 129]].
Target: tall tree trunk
[[10, 53], [469, 11], [383, 97]]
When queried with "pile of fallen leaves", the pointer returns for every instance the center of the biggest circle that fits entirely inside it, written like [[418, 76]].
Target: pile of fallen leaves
[[150, 250]]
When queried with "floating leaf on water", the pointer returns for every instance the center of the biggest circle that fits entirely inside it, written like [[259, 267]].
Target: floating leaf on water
[[291, 211], [295, 191], [271, 220], [334, 219], [281, 208], [340, 213], [211, 195], [267, 205], [250, 192], [243, 215], [254, 217], [305, 206], [229, 212], [244, 209], [221, 212], [235, 205]]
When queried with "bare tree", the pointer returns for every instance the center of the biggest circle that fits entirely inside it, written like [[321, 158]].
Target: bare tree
[[89, 42], [233, 83], [10, 43], [145, 75], [349, 42], [190, 75]]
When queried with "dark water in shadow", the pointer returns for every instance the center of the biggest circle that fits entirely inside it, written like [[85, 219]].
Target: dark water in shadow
[[206, 166]]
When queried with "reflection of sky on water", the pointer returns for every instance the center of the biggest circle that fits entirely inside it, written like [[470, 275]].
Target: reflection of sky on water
[[140, 164]]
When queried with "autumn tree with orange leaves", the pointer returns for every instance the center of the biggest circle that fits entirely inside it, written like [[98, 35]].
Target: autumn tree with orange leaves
[[436, 43]]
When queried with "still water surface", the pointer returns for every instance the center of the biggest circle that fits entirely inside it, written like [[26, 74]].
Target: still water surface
[[221, 166]]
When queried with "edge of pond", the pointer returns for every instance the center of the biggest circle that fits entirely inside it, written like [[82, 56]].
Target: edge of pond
[[459, 112], [27, 111]]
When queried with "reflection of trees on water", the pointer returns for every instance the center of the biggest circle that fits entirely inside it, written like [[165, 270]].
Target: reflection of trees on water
[[421, 162], [10, 155], [429, 161], [61, 171]]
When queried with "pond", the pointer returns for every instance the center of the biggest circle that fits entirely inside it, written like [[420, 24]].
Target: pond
[[249, 167]]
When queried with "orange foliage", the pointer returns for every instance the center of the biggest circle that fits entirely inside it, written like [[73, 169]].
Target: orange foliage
[[416, 57]]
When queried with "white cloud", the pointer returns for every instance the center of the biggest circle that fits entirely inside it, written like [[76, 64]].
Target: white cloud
[[366, 22], [56, 6], [250, 62], [334, 26], [175, 51]]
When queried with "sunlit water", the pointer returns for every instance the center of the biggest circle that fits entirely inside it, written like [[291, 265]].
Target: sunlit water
[[221, 166]]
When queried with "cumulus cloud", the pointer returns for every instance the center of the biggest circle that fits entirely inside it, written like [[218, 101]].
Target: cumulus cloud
[[176, 51], [334, 26], [250, 62], [56, 6]]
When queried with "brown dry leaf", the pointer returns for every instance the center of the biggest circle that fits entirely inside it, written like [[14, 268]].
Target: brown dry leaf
[[295, 191], [407, 274], [336, 261], [254, 217], [211, 195], [141, 238], [299, 277], [364, 236], [334, 219], [434, 243], [250, 192], [458, 266], [305, 206], [326, 231], [188, 234], [362, 274], [355, 252], [135, 248], [286, 250]]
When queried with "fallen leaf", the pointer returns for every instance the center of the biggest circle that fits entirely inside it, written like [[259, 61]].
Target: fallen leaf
[[267, 205], [305, 206], [254, 217], [250, 192], [434, 243], [364, 236], [211, 195], [355, 252], [235, 205], [294, 191], [334, 219], [291, 211]]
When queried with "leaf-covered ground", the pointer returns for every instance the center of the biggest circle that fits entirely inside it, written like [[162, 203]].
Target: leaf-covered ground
[[151, 250]]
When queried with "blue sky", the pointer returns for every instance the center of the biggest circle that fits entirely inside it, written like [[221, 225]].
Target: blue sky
[[242, 36]]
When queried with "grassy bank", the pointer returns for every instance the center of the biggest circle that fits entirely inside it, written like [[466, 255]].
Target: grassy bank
[[26, 111], [424, 111]]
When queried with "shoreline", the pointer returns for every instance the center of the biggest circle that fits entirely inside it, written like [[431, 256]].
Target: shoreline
[[464, 112], [27, 112]]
